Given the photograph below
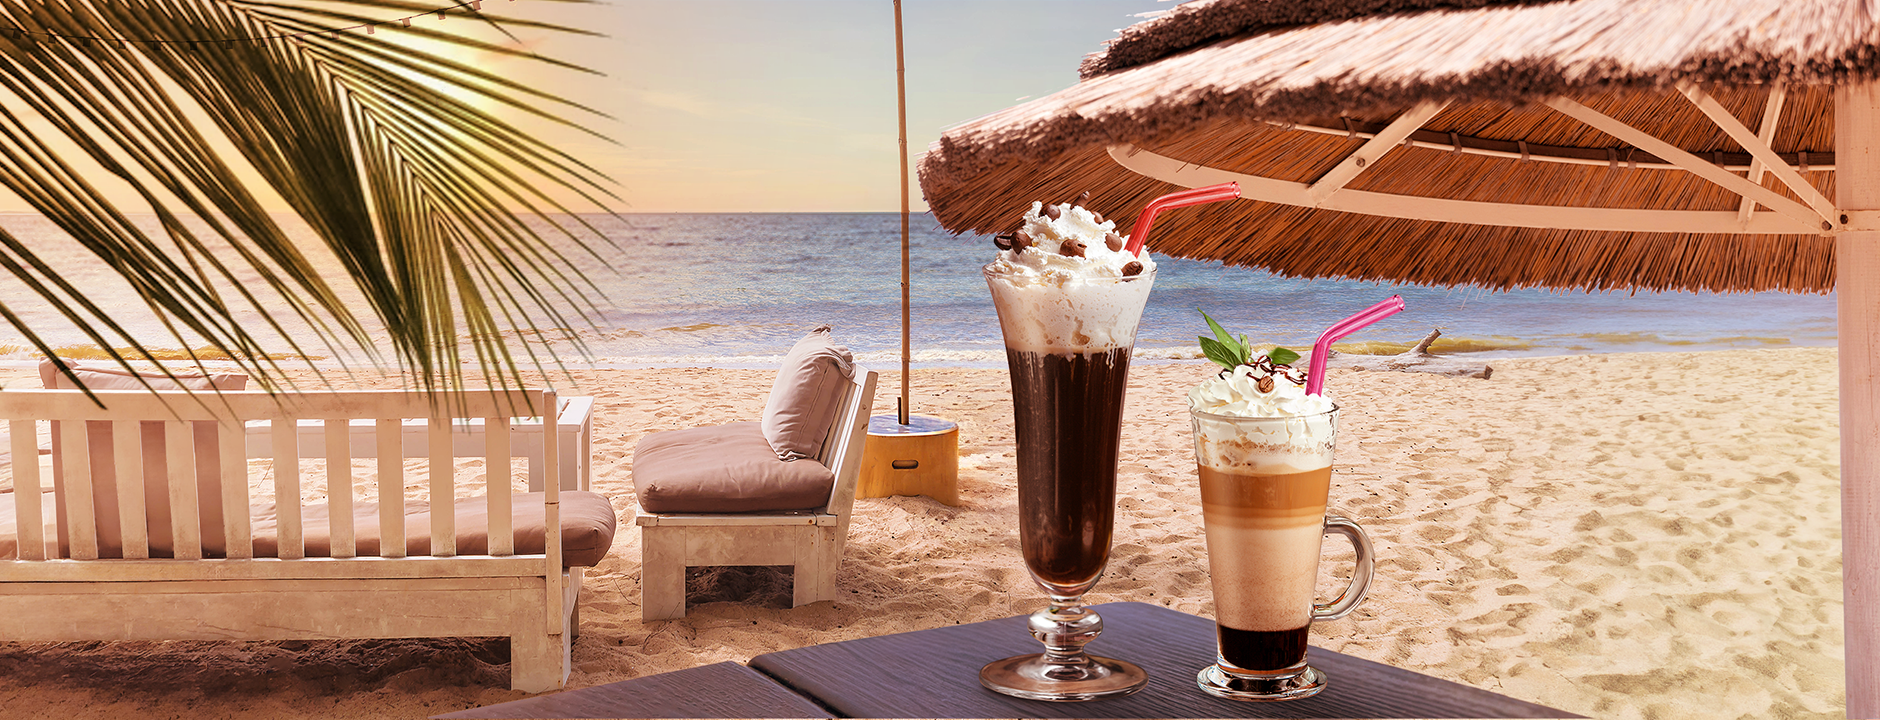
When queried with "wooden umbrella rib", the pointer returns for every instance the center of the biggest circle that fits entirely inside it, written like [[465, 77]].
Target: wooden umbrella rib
[[1416, 207], [1687, 161], [1766, 132], [1335, 179], [1759, 149]]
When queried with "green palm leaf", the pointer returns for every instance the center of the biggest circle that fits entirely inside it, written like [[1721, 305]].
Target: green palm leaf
[[381, 149]]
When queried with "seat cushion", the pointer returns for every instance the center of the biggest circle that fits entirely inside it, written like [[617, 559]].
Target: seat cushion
[[156, 483], [724, 468], [806, 395], [587, 527]]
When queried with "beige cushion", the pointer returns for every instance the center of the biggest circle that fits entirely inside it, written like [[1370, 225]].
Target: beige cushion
[[587, 527], [724, 468], [806, 396], [156, 478]]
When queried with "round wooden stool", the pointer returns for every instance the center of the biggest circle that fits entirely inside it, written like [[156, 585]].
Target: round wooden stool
[[919, 458]]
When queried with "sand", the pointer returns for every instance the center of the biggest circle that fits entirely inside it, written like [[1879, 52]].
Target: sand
[[1620, 536]]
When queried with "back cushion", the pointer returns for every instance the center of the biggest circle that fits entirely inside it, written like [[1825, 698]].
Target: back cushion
[[804, 399], [104, 473]]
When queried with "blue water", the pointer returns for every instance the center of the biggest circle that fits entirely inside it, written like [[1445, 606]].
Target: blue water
[[733, 290]]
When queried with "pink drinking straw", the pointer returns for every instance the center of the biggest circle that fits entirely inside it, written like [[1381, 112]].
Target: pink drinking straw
[[1315, 378], [1196, 196]]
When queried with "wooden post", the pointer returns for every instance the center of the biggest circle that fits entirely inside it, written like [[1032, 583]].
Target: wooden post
[[1857, 289]]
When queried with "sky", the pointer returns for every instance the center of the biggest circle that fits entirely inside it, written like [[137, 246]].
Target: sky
[[789, 105], [760, 105]]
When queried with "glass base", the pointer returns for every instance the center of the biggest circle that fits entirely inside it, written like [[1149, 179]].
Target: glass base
[[1221, 684], [1030, 677]]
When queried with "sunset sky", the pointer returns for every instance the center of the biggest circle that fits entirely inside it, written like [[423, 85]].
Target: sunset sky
[[789, 105]]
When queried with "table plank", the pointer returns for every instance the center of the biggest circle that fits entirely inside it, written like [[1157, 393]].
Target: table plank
[[723, 690], [935, 674]]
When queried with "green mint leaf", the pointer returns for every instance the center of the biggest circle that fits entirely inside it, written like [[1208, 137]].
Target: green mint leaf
[[1282, 356], [1219, 353], [1220, 333]]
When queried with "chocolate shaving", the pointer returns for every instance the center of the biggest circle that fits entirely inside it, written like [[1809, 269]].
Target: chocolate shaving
[[1132, 269], [1112, 240], [1071, 248]]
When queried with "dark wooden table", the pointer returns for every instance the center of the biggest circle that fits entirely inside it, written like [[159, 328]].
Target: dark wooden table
[[723, 690], [935, 674]]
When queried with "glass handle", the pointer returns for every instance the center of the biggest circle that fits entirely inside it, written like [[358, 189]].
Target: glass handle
[[1360, 575]]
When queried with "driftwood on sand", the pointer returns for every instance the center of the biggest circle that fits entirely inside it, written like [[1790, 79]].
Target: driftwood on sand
[[1416, 359]]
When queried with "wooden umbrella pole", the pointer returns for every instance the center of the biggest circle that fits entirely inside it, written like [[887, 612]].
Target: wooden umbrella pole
[[900, 88], [1857, 294]]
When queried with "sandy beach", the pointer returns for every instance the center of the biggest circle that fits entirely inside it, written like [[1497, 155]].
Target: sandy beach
[[1619, 535]]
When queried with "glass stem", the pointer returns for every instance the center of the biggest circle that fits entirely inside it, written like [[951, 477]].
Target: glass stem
[[1065, 627]]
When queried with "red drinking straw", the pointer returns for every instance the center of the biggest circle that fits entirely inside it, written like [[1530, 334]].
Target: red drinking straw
[[1315, 378], [1195, 196]]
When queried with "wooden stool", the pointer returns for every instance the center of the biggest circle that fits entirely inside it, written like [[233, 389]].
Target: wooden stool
[[919, 458]]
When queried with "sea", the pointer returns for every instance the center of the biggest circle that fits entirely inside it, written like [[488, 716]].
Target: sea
[[737, 289]]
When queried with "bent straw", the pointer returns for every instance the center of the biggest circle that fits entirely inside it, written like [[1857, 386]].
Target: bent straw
[[1197, 196], [1315, 378]]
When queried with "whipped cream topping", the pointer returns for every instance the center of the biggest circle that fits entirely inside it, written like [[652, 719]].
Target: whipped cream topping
[[1054, 303], [1044, 256], [1248, 429], [1237, 393]]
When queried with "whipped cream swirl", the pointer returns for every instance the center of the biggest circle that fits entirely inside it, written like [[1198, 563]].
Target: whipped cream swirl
[[1044, 258], [1237, 393]]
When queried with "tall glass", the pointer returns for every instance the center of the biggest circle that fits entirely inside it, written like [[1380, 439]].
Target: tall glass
[[1264, 486], [1068, 343]]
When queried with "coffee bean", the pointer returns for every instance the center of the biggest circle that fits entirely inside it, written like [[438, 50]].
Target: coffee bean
[[1084, 198], [1052, 212], [1132, 269], [1071, 248], [1003, 241], [1021, 240], [1266, 384], [1098, 216], [1113, 241]]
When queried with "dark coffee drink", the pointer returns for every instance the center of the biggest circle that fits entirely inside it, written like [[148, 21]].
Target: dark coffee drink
[[1263, 651], [1067, 411]]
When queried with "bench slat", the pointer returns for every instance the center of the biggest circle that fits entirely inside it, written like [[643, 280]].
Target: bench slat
[[179, 454], [443, 491], [497, 464], [236, 527], [287, 489], [128, 464], [79, 526], [391, 491], [30, 516], [551, 518], [339, 490]]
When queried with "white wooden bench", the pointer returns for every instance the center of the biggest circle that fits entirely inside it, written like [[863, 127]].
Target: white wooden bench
[[528, 598], [574, 422]]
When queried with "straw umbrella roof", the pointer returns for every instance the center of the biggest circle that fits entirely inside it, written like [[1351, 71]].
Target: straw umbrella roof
[[1292, 94]]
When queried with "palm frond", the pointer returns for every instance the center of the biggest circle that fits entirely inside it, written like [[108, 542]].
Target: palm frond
[[381, 148]]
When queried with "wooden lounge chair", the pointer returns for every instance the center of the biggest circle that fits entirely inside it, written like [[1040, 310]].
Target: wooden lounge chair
[[501, 564], [726, 515]]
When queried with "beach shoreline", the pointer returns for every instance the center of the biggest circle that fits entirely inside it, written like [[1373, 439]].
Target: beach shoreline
[[1616, 535]]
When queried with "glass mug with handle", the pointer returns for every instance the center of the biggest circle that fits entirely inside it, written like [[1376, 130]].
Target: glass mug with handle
[[1265, 482]]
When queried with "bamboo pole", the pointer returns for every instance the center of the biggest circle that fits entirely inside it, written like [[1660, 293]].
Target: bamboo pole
[[1857, 289], [900, 91]]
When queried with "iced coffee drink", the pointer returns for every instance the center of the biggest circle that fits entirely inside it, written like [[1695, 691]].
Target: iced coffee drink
[[1263, 449], [1069, 297]]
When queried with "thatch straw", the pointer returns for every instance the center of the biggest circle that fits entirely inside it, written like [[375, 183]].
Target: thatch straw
[[1617, 56]]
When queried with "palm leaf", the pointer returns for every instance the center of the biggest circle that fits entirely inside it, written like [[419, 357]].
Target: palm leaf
[[381, 149]]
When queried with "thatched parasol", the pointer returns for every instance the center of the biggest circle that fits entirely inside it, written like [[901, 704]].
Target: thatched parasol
[[1590, 144]]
